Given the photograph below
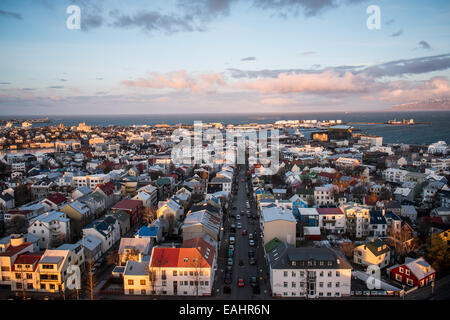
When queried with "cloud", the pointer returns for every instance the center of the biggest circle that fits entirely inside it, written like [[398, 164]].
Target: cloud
[[5, 82], [325, 82], [9, 14], [28, 89], [424, 45], [56, 87], [248, 59], [99, 79], [308, 7], [92, 13], [406, 91], [308, 53], [62, 80], [398, 33], [150, 21], [389, 22], [179, 80], [409, 66], [276, 101]]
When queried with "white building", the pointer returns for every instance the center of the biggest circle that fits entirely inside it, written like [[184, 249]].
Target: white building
[[277, 222], [357, 219], [395, 175], [51, 228], [332, 220], [324, 195], [90, 181], [308, 272], [107, 229]]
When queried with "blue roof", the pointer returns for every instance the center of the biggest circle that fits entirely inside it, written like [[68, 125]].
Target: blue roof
[[392, 215], [376, 217], [147, 231]]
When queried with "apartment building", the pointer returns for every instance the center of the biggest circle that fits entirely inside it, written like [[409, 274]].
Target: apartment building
[[52, 228], [357, 219], [308, 272]]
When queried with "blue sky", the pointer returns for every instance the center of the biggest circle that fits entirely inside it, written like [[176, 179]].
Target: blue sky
[[189, 56]]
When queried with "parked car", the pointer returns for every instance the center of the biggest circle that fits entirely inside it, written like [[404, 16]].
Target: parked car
[[239, 225], [251, 253], [240, 282], [229, 269], [230, 261], [251, 242], [250, 236], [244, 232], [231, 247], [238, 217], [227, 278], [232, 239], [253, 281], [252, 261], [230, 253]]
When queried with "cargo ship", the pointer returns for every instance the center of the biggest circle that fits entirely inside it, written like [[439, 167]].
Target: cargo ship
[[404, 122]]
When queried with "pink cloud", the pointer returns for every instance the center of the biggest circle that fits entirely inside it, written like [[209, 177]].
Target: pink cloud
[[178, 80], [327, 81]]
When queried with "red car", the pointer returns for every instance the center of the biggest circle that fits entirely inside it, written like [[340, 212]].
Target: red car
[[244, 232], [241, 282]]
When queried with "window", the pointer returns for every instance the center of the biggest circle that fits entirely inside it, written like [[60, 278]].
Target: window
[[337, 284], [131, 291], [164, 283], [409, 282], [293, 284], [407, 272], [328, 294], [19, 285], [142, 282], [302, 273], [191, 273], [285, 284], [29, 286], [329, 273], [329, 284], [400, 270], [191, 283], [338, 274], [302, 284], [174, 273], [285, 273], [18, 276], [52, 286], [130, 282], [293, 273], [320, 294], [43, 286], [321, 284], [321, 273], [143, 291], [398, 277], [206, 283]]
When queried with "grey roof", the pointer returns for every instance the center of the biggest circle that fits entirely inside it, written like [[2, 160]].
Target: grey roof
[[282, 257]]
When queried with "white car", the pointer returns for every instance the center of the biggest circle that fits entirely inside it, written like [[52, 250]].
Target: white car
[[239, 226], [238, 217]]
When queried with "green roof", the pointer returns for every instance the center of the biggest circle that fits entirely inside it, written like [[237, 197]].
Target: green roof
[[272, 244]]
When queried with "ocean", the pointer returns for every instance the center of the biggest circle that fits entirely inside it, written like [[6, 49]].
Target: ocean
[[416, 134]]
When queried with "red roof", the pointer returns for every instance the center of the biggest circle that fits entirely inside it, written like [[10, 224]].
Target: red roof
[[329, 211], [28, 258], [327, 175], [180, 258], [127, 204], [57, 198], [165, 257], [107, 188], [203, 246], [11, 251]]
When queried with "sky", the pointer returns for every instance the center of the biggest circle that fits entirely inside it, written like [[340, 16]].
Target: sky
[[221, 56]]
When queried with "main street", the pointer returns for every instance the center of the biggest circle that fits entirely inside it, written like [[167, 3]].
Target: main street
[[241, 267]]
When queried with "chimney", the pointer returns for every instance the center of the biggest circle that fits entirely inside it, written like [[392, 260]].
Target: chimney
[[383, 211], [140, 257]]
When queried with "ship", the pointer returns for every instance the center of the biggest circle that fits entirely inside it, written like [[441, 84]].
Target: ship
[[404, 122]]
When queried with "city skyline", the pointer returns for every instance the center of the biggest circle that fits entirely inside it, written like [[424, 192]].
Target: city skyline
[[206, 56]]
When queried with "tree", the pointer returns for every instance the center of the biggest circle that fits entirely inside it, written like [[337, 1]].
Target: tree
[[149, 215], [88, 283], [17, 224], [347, 249], [403, 241], [439, 254]]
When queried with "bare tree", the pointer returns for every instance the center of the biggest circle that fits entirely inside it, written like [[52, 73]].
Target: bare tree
[[347, 249], [149, 215]]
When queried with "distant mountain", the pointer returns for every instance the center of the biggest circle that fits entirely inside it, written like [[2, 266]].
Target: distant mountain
[[430, 104]]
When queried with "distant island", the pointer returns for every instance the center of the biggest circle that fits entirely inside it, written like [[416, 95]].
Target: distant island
[[431, 104]]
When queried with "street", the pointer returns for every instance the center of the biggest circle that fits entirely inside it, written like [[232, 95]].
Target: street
[[242, 247]]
